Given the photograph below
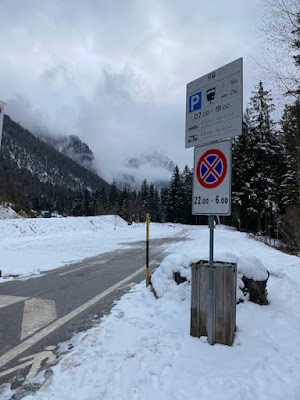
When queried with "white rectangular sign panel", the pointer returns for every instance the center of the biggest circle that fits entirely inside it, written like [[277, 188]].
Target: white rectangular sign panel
[[214, 105], [212, 179], [1, 119]]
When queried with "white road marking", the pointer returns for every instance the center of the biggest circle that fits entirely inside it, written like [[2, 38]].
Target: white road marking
[[84, 266], [37, 314], [13, 353], [46, 384], [35, 360], [6, 301], [21, 366]]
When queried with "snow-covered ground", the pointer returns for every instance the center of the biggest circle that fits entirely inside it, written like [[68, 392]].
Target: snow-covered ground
[[30, 246], [6, 212], [143, 350]]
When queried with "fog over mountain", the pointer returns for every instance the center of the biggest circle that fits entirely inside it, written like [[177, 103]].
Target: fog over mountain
[[72, 147], [115, 74], [154, 167]]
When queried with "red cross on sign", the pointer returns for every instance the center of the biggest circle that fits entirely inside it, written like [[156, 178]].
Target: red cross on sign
[[212, 179], [211, 168]]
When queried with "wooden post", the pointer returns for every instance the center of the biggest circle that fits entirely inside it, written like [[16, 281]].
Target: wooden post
[[224, 321]]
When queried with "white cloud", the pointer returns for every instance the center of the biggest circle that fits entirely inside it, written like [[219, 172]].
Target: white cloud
[[115, 73]]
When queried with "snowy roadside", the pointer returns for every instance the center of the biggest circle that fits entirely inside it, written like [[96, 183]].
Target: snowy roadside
[[143, 349], [30, 246], [6, 212]]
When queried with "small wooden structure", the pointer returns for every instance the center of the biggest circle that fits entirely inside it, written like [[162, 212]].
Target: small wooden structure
[[224, 310]]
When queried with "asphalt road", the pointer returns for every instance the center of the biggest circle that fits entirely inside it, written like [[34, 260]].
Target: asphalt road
[[37, 314]]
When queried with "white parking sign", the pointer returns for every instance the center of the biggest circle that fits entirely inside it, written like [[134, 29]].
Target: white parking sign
[[214, 105], [212, 179]]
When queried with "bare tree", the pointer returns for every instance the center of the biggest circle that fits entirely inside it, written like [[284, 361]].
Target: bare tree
[[279, 21]]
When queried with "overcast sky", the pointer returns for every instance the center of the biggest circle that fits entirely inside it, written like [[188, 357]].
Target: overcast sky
[[115, 72]]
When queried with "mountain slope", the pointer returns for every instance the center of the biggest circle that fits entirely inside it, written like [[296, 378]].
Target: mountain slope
[[72, 147], [32, 172]]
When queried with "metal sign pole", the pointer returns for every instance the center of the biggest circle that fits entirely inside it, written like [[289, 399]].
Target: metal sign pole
[[211, 308]]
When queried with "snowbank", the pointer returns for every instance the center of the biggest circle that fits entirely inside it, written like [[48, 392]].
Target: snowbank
[[163, 278], [6, 212], [42, 227]]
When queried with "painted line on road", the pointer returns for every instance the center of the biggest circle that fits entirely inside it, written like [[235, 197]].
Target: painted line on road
[[6, 301], [16, 351], [101, 262], [37, 314], [35, 360]]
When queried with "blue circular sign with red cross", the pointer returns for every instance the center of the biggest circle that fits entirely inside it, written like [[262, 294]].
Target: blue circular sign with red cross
[[211, 168]]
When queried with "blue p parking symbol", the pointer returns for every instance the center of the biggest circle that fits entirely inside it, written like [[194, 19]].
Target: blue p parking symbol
[[195, 102]]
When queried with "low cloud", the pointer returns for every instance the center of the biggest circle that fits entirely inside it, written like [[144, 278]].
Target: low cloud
[[115, 74]]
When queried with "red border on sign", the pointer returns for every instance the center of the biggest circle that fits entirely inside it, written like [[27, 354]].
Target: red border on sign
[[220, 178]]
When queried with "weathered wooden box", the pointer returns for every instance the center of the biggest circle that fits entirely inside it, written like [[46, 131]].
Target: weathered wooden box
[[224, 321]]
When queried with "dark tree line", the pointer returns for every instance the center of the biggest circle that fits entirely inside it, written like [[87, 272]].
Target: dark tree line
[[170, 204]]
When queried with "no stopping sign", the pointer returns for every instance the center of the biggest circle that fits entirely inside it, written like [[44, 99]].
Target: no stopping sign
[[212, 179], [211, 168]]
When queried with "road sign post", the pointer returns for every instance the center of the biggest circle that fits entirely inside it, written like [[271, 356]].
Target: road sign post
[[214, 112], [212, 196]]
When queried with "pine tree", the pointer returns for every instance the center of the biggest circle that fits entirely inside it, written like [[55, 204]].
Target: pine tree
[[187, 188], [77, 209], [291, 128], [175, 198], [113, 199], [259, 166], [163, 204], [296, 46], [87, 203], [242, 172], [291, 132], [124, 205], [135, 200], [154, 203], [144, 200], [101, 202]]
